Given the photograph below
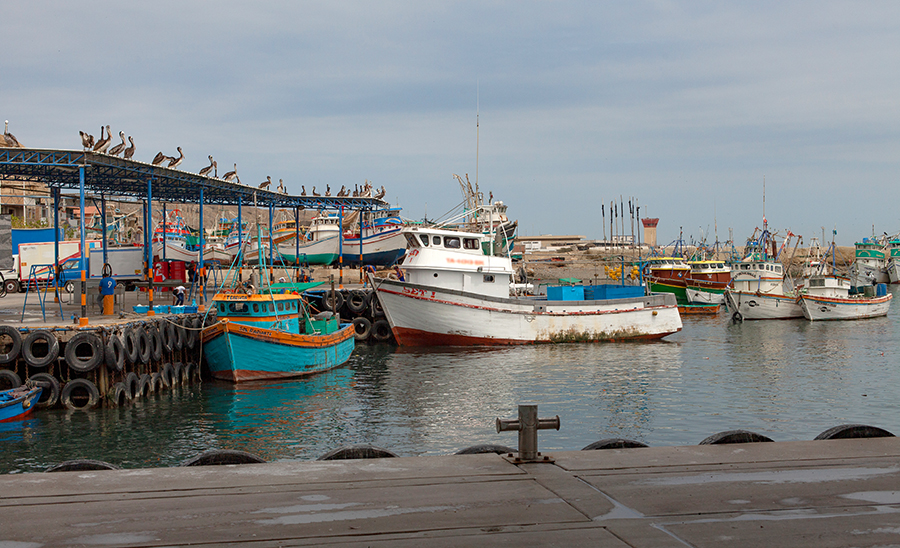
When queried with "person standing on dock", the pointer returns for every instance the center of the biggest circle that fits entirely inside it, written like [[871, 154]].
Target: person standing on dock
[[179, 295]]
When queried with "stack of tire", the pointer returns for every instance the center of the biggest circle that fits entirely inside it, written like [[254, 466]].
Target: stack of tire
[[363, 308], [116, 364]]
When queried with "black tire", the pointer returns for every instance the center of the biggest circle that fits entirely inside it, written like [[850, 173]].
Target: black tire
[[486, 448], [381, 331], [375, 305], [332, 300], [9, 379], [362, 328], [846, 431], [145, 386], [166, 375], [358, 301], [14, 347], [156, 343], [613, 443], [156, 383], [176, 373], [737, 317], [144, 345], [180, 336], [193, 334], [118, 395], [85, 351], [186, 374], [80, 395], [132, 385], [82, 465], [33, 350], [69, 287], [11, 286], [115, 353], [734, 436], [50, 389], [132, 345], [167, 333], [216, 457], [358, 452]]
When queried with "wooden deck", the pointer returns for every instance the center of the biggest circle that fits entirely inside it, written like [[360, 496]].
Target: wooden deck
[[816, 493]]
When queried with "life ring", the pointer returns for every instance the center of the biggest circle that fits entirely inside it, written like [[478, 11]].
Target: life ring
[[165, 375], [132, 385], [9, 380], [84, 351], [80, 395], [381, 331], [115, 353], [143, 344], [358, 301], [156, 344], [118, 395], [362, 328], [132, 344], [15, 346], [332, 300], [38, 337], [49, 389], [145, 386]]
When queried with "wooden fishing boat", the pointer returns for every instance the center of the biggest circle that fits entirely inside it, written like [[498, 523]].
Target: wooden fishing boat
[[707, 281], [668, 275], [273, 336], [18, 402], [827, 297]]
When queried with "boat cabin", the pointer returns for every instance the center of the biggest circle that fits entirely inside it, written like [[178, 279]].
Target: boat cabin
[[667, 268], [828, 286], [762, 276], [280, 312]]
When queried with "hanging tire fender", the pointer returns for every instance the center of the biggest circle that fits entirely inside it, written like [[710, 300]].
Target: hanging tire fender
[[132, 385], [34, 338], [80, 395], [132, 345], [9, 378], [50, 389], [358, 301], [15, 346], [156, 343], [381, 330], [75, 349], [144, 344], [115, 353], [118, 395], [362, 328]]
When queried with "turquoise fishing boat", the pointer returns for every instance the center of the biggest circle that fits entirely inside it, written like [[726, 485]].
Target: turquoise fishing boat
[[272, 336]]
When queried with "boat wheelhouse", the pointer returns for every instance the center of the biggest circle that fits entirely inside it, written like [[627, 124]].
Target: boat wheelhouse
[[707, 281], [668, 275]]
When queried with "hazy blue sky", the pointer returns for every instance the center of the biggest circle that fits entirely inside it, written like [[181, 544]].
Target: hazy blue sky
[[686, 106]]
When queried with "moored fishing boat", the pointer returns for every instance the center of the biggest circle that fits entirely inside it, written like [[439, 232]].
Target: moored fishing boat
[[15, 403], [456, 294], [668, 275], [319, 245], [869, 264], [707, 281], [893, 262], [827, 297], [173, 240], [379, 243]]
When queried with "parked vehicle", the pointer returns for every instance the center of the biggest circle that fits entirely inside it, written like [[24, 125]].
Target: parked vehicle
[[126, 266]]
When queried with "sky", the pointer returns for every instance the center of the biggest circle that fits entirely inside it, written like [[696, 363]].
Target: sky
[[690, 108]]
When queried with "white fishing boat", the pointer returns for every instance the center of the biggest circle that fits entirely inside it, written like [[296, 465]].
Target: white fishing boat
[[173, 241], [707, 282], [318, 245], [456, 294], [869, 264], [827, 297], [893, 262], [379, 243]]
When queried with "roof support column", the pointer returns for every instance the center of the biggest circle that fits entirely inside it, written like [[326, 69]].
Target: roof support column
[[149, 239], [201, 270], [103, 227], [297, 239], [240, 228], [164, 230], [271, 241], [83, 320]]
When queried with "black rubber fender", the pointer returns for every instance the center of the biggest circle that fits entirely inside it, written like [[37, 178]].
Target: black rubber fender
[[9, 379], [375, 305], [82, 465], [362, 328], [847, 431], [486, 448], [167, 335], [143, 344], [350, 452], [132, 345], [115, 353], [40, 337], [166, 375], [80, 395], [358, 301], [332, 300], [176, 373], [381, 331], [132, 385], [50, 389], [156, 382], [14, 347], [118, 395], [145, 387], [735, 436], [186, 371], [180, 336], [216, 457], [156, 343], [613, 443], [85, 351], [193, 333]]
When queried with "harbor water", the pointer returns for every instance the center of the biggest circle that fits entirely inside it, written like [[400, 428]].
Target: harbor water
[[788, 380]]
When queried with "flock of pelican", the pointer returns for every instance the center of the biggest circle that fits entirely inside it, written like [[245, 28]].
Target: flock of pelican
[[101, 146]]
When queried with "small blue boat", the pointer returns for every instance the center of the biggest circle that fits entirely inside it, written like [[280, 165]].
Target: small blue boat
[[18, 402], [272, 336]]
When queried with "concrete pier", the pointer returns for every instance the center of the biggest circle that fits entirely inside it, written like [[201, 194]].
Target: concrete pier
[[811, 493]]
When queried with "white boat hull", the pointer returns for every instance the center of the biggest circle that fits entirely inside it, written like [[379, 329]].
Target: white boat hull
[[893, 271], [853, 308], [384, 248], [428, 316], [697, 296], [763, 306], [174, 252], [323, 251]]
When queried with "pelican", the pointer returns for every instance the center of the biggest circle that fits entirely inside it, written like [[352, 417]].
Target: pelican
[[342, 191], [281, 188], [380, 193], [116, 150], [205, 171], [265, 184], [328, 190], [231, 174], [175, 162], [129, 152], [159, 158], [103, 144], [87, 140], [314, 193], [303, 190]]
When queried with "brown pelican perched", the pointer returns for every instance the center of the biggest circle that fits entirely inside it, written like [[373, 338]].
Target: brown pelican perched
[[212, 164], [159, 158], [116, 150], [328, 190], [314, 193], [265, 184], [10, 139], [380, 193], [342, 190], [231, 175], [175, 162], [281, 188], [129, 152], [103, 144], [302, 190], [87, 140]]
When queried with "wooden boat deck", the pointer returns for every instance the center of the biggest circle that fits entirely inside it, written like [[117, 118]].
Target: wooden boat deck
[[812, 493]]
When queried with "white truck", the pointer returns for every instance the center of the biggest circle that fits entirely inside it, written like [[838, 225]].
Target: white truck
[[11, 276], [126, 266], [36, 259]]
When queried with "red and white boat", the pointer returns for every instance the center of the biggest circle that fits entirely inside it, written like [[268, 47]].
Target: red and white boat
[[827, 297], [457, 294]]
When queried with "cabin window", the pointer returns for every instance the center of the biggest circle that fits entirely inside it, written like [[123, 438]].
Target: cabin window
[[745, 267], [778, 269], [281, 307], [424, 239], [470, 243], [436, 240], [238, 308], [488, 278], [264, 307], [223, 308], [813, 282], [451, 242]]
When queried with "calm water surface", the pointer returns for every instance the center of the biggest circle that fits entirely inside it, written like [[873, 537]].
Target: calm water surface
[[788, 380]]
